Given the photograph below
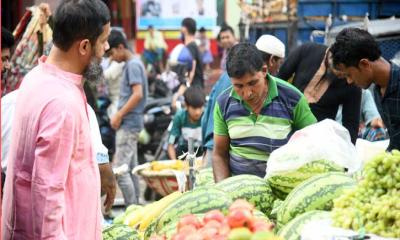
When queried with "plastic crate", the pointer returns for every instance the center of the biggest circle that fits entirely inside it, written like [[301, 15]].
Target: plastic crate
[[278, 30], [389, 8], [305, 28], [389, 46], [351, 8]]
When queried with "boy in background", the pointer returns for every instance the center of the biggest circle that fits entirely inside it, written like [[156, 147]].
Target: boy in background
[[187, 124], [128, 120]]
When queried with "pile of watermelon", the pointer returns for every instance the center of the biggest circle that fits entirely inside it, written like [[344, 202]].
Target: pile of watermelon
[[210, 209], [240, 223]]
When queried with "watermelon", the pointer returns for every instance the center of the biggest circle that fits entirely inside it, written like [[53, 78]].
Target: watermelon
[[284, 182], [292, 230], [316, 193], [120, 232], [260, 215], [205, 177], [251, 188], [275, 208], [200, 200]]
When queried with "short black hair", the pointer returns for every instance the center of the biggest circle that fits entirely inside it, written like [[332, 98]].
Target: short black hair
[[194, 97], [352, 45], [79, 19], [116, 38], [190, 25], [267, 56], [7, 39], [243, 58], [202, 29], [226, 27]]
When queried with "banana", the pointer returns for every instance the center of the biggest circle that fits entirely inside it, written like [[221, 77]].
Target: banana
[[157, 208]]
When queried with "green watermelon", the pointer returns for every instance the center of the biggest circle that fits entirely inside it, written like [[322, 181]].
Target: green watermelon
[[120, 232], [275, 208], [316, 193], [260, 215], [251, 188], [283, 183], [292, 230], [200, 200], [205, 177]]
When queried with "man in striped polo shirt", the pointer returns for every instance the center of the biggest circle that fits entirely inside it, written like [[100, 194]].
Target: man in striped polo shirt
[[257, 115]]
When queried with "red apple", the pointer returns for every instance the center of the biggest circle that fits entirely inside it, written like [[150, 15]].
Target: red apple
[[179, 236], [216, 215], [239, 218], [188, 229], [213, 224], [241, 204], [189, 220], [259, 225], [208, 233]]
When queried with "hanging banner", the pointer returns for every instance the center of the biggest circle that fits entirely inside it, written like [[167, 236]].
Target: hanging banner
[[168, 14]]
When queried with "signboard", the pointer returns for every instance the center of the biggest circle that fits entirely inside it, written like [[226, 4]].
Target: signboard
[[168, 14]]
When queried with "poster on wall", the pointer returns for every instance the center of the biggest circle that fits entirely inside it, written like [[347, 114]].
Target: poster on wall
[[168, 14]]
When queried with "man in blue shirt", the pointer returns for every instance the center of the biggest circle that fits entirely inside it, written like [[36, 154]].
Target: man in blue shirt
[[357, 54]]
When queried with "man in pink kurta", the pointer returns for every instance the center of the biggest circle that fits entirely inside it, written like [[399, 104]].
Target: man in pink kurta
[[52, 189]]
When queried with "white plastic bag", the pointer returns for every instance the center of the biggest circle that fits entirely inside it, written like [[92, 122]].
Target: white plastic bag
[[326, 140], [366, 150]]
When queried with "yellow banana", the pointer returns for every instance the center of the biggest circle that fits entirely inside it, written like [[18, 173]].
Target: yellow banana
[[157, 208]]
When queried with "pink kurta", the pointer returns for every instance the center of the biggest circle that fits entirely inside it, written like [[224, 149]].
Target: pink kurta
[[52, 190]]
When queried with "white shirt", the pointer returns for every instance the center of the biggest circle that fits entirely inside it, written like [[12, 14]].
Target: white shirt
[[8, 103], [7, 115]]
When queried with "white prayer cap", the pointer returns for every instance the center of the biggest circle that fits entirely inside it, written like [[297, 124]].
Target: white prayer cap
[[272, 45]]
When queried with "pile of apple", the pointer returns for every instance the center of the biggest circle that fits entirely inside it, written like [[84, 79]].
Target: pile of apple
[[239, 224]]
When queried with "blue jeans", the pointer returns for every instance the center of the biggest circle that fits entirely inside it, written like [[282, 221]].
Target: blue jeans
[[153, 56]]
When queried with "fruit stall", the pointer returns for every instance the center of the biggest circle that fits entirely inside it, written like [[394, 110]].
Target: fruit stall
[[322, 198]]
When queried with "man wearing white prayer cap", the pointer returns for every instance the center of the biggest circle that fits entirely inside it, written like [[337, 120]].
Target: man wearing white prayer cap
[[273, 52]]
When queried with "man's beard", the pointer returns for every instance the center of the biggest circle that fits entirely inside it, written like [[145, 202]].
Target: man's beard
[[93, 72]]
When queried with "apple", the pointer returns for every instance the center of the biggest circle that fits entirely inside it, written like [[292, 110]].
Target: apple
[[216, 215], [189, 220], [239, 218]]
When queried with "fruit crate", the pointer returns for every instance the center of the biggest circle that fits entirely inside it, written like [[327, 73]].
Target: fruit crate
[[165, 181]]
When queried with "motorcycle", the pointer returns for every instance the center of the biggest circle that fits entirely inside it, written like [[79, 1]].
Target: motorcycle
[[157, 118]]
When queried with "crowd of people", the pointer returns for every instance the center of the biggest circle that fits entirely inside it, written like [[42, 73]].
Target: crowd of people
[[54, 163]]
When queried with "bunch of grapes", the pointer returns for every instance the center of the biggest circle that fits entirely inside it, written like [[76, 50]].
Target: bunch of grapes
[[374, 205]]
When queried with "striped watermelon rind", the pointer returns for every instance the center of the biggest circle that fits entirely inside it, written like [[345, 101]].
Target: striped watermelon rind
[[292, 230], [200, 200], [205, 177], [316, 193], [251, 188], [120, 232], [284, 182]]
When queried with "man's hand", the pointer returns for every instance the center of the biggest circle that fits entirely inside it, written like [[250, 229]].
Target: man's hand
[[108, 184], [116, 121], [220, 155], [45, 13], [377, 123]]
